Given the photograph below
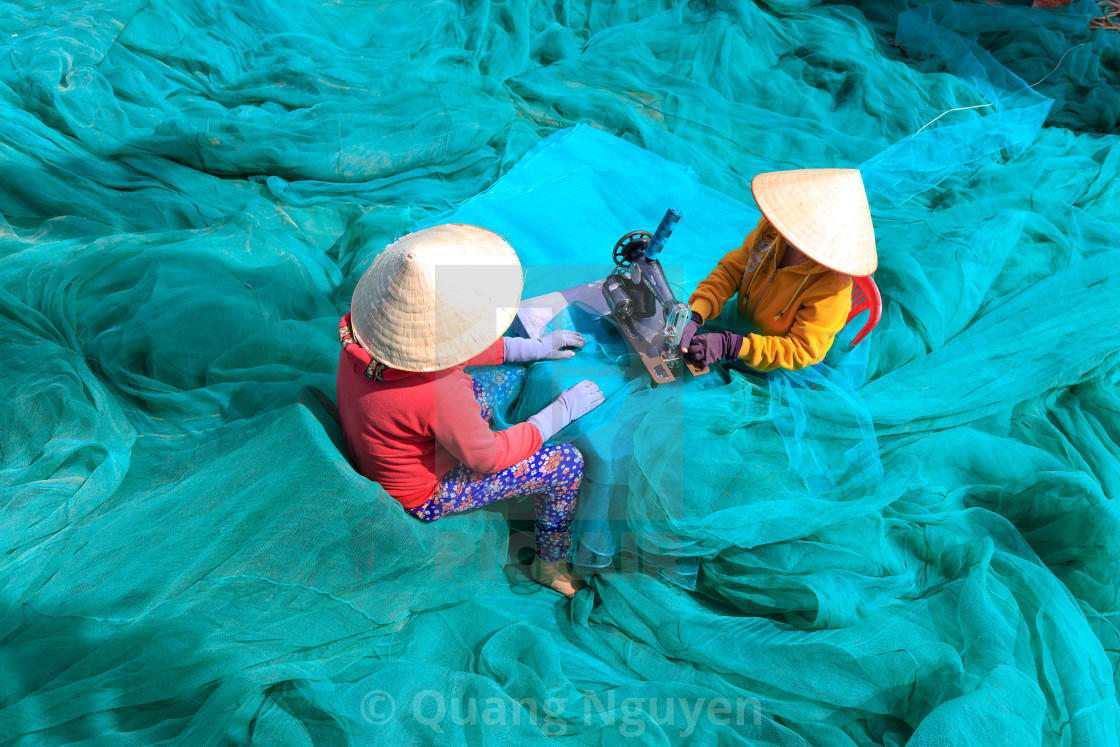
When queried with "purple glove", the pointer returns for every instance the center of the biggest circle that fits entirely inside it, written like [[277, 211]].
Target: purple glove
[[571, 404], [547, 348], [715, 346], [690, 330]]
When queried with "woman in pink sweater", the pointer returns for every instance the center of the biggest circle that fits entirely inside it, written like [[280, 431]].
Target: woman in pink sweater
[[431, 304]]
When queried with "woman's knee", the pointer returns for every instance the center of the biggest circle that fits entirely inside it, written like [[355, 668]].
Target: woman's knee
[[567, 455], [563, 466]]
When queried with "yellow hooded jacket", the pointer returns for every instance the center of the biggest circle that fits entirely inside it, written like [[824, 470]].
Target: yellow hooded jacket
[[796, 311]]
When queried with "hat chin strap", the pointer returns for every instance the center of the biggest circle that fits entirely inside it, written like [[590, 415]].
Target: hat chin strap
[[376, 370]]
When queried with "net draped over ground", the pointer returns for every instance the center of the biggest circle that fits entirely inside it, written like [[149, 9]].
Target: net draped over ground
[[916, 547]]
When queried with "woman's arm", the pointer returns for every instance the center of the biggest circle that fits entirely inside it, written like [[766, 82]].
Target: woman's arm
[[822, 315], [723, 282], [458, 426]]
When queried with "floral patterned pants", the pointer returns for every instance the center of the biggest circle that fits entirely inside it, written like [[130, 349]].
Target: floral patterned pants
[[553, 474]]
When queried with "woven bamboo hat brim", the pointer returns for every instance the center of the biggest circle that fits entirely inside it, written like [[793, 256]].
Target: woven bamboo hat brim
[[824, 213], [437, 297]]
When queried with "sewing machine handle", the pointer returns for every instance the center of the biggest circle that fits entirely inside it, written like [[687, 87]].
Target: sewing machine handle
[[662, 233]]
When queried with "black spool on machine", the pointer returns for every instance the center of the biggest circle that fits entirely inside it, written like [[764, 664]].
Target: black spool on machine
[[643, 307]]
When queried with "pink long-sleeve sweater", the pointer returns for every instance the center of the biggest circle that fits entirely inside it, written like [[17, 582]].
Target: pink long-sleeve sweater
[[408, 429]]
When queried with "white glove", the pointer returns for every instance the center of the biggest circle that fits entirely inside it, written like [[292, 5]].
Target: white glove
[[547, 348], [571, 404]]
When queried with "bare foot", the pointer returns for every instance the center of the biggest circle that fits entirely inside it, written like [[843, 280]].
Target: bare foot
[[556, 575]]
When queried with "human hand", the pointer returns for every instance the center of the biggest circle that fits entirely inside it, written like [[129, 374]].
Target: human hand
[[690, 329], [581, 399], [557, 341], [710, 347], [549, 347], [572, 404]]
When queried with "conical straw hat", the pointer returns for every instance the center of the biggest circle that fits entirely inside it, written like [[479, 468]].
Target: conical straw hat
[[824, 213], [437, 297]]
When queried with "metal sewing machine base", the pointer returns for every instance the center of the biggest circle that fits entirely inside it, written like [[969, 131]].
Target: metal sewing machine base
[[641, 336]]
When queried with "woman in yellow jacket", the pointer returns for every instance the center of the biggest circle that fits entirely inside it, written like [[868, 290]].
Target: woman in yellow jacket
[[793, 273]]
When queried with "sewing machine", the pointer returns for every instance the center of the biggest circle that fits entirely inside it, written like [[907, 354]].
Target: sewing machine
[[635, 299], [643, 307]]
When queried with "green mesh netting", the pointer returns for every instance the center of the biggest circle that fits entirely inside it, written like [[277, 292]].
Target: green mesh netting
[[916, 545]]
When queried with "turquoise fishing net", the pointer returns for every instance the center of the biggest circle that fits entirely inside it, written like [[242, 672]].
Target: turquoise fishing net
[[915, 544]]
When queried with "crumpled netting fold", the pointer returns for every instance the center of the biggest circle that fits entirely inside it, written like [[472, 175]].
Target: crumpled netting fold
[[914, 544]]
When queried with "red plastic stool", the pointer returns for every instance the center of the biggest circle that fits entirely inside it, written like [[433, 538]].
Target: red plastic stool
[[865, 297]]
